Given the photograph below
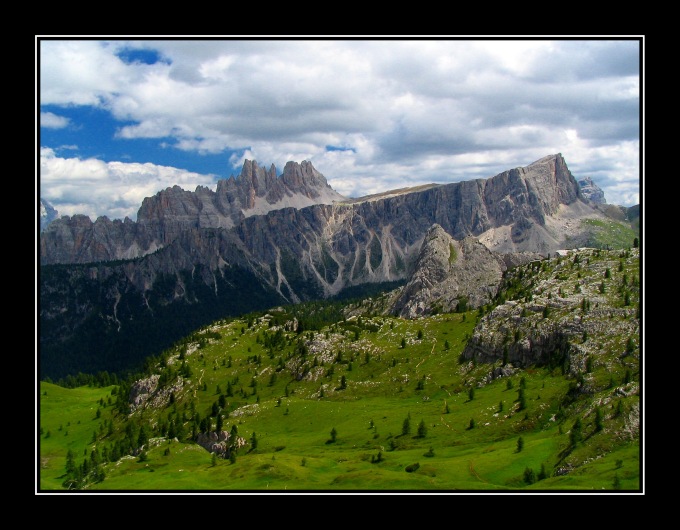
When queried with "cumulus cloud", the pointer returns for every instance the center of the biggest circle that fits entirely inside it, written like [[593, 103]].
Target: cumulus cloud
[[399, 111], [114, 189], [52, 121]]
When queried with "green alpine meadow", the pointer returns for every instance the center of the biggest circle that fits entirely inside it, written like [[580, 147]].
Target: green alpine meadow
[[538, 390]]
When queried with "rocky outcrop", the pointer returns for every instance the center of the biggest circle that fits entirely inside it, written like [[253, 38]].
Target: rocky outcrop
[[449, 273], [452, 275], [220, 442], [591, 191], [145, 393]]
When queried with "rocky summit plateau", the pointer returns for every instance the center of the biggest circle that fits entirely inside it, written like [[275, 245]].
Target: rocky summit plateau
[[260, 240]]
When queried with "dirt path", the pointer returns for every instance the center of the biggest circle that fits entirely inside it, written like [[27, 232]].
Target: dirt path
[[434, 344]]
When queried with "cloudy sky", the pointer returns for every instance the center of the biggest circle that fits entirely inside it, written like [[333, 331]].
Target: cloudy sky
[[120, 120]]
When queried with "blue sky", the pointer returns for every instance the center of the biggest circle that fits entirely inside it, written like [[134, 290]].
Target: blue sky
[[120, 120]]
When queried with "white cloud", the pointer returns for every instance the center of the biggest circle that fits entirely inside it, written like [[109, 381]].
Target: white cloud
[[114, 189], [405, 110], [52, 121]]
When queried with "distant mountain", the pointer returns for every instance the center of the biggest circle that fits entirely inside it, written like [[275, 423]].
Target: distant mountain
[[163, 217], [591, 191], [47, 214], [196, 256]]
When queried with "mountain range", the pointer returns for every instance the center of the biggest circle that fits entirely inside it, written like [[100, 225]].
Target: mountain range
[[113, 292]]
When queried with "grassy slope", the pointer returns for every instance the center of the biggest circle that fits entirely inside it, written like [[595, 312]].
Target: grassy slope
[[67, 421], [293, 453], [609, 234]]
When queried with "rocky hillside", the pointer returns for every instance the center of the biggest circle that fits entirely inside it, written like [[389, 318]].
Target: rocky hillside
[[568, 311]]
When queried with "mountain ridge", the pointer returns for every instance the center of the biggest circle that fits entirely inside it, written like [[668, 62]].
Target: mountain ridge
[[520, 201]]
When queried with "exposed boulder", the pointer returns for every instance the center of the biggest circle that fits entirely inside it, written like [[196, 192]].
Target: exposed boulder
[[220, 442]]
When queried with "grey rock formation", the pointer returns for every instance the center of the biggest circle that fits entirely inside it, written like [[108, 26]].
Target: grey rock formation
[[145, 393], [449, 272], [47, 214], [369, 240], [219, 442], [591, 191]]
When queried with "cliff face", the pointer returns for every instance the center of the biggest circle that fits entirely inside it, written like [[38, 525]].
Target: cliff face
[[334, 246]]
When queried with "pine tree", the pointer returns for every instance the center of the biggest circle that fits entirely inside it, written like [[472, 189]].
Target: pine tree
[[575, 436], [406, 426], [520, 444], [599, 420], [422, 429], [71, 466], [521, 398], [143, 437]]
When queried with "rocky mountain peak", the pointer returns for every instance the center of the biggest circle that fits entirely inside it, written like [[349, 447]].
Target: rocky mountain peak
[[591, 191], [303, 176]]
